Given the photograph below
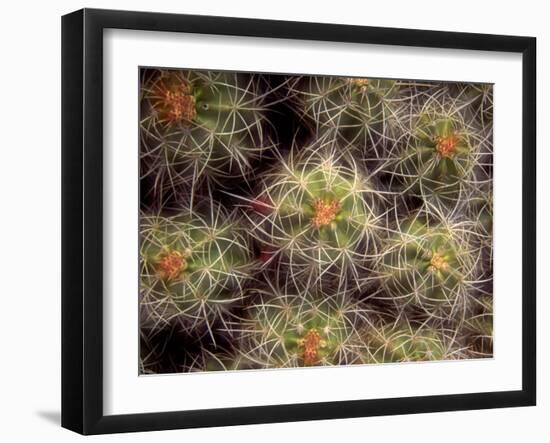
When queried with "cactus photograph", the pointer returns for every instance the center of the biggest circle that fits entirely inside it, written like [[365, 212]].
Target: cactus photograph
[[295, 221]]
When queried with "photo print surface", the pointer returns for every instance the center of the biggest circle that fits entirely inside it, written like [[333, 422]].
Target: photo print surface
[[291, 221]]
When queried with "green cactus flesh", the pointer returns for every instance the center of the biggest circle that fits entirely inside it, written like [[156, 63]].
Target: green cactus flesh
[[290, 331], [203, 124], [438, 160], [354, 109], [480, 208], [479, 327], [477, 100], [191, 266], [298, 221], [424, 265], [323, 217], [402, 343]]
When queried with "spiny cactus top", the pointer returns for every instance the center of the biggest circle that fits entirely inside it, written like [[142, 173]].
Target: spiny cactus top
[[354, 110], [438, 162], [476, 100], [319, 215], [403, 343], [480, 209], [196, 125], [426, 263], [192, 264], [479, 325], [290, 330]]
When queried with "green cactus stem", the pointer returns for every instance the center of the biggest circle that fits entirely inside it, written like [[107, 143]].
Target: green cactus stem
[[319, 216], [289, 330], [193, 266], [405, 343], [354, 110], [425, 264], [198, 125], [438, 162], [479, 327], [477, 98]]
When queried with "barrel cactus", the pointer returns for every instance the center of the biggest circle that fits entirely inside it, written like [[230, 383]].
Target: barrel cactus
[[476, 98], [480, 209], [288, 329], [197, 125], [193, 267], [357, 111], [479, 326], [395, 343], [318, 215], [426, 264], [438, 162], [292, 221]]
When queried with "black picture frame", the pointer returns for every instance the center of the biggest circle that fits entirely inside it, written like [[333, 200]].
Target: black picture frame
[[82, 218]]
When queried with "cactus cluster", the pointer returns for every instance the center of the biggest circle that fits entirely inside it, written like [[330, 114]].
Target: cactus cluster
[[295, 221]]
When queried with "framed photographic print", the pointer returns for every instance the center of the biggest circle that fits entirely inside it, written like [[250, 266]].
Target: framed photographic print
[[270, 221]]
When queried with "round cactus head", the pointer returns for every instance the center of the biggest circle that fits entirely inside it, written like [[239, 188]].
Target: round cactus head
[[438, 162], [354, 110], [193, 266], [405, 343], [172, 100], [480, 209], [198, 125], [319, 217], [293, 331], [425, 264], [476, 99]]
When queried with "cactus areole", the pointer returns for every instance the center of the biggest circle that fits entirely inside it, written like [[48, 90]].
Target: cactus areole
[[360, 81], [324, 212], [438, 262], [174, 102], [171, 264], [311, 344], [446, 145]]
